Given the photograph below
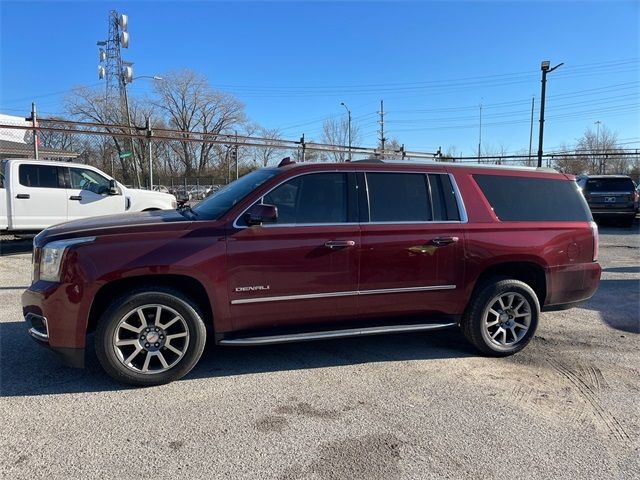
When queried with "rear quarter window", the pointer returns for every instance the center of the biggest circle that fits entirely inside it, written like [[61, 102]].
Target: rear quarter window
[[533, 199]]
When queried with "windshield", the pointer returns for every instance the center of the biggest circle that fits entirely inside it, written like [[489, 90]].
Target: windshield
[[213, 207], [609, 185]]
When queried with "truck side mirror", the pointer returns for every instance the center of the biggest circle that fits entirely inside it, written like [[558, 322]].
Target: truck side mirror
[[261, 213], [113, 188]]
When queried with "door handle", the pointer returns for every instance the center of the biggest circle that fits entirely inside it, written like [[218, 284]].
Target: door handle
[[75, 197], [443, 241], [336, 244], [23, 195]]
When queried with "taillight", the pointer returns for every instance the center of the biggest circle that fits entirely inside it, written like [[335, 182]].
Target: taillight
[[596, 240]]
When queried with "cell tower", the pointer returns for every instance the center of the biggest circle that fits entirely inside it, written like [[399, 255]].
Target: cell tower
[[114, 69]]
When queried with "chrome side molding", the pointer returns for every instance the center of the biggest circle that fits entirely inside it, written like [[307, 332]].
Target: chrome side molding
[[308, 296], [330, 334]]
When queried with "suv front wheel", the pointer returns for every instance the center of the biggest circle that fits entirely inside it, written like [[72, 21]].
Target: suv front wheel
[[150, 337], [502, 317]]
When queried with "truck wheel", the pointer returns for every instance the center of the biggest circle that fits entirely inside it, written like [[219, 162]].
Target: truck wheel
[[150, 337], [502, 317]]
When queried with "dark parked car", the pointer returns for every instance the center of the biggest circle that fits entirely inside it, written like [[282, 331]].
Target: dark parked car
[[610, 197], [315, 251]]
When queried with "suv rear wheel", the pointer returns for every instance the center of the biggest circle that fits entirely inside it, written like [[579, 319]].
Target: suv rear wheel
[[502, 317], [150, 337]]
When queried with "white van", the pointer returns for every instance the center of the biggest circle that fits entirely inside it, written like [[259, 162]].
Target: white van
[[36, 194]]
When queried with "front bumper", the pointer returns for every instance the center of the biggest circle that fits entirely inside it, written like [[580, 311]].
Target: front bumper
[[54, 322], [72, 357]]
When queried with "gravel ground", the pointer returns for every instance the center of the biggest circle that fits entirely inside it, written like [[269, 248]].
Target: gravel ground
[[412, 406]]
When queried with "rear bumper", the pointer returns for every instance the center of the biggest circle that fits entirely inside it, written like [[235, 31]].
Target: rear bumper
[[570, 285], [613, 213]]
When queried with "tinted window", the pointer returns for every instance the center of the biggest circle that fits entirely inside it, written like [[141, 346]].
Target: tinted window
[[84, 179], [42, 176], [313, 198], [443, 197], [609, 185], [533, 199], [398, 197]]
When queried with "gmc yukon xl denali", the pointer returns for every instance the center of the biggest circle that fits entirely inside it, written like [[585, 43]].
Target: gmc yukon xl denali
[[315, 251]]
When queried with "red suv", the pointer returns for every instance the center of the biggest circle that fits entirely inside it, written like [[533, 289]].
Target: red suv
[[315, 251]]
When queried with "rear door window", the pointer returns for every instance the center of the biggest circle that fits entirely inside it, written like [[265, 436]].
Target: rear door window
[[39, 176], [398, 197], [533, 199]]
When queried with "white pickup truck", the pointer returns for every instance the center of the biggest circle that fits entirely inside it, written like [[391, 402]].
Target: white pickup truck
[[36, 194]]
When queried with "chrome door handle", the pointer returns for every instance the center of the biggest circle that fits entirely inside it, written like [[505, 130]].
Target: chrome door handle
[[336, 244], [442, 241]]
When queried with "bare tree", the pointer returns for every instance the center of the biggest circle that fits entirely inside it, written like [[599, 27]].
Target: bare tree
[[266, 155], [91, 105], [189, 104], [336, 132], [598, 145]]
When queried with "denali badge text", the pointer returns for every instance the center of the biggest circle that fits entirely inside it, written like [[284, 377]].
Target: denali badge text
[[252, 289]]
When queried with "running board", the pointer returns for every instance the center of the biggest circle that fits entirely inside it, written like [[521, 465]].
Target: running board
[[330, 334]]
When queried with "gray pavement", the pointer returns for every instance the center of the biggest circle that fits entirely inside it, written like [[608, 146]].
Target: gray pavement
[[412, 406]]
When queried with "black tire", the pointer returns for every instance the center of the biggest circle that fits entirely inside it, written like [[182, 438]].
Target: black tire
[[173, 302], [473, 321]]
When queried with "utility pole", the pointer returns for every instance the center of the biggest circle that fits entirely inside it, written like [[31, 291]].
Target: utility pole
[[533, 100], [34, 119], [545, 69], [349, 126], [598, 145], [304, 146], [149, 135], [480, 134], [381, 122], [236, 155]]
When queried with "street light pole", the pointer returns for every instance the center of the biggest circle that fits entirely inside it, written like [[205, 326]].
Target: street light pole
[[545, 69], [349, 128]]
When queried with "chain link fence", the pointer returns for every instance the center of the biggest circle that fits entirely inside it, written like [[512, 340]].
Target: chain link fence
[[191, 165]]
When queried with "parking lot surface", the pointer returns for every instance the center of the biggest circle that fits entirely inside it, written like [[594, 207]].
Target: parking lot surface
[[408, 406]]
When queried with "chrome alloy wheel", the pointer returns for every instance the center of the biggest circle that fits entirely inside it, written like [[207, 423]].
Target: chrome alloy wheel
[[507, 319], [151, 339]]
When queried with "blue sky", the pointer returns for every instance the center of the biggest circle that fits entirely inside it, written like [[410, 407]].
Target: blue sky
[[293, 63]]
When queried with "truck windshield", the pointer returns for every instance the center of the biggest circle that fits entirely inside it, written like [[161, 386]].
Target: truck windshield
[[213, 207]]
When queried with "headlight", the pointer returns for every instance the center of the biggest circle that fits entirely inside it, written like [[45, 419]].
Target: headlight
[[52, 254]]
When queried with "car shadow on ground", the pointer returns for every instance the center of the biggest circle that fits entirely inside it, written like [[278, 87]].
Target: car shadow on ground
[[15, 247], [633, 269], [618, 303], [27, 369], [611, 228]]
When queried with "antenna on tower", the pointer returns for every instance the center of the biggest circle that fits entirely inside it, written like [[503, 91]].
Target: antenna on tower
[[116, 72]]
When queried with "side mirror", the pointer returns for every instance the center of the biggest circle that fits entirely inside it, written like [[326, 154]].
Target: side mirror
[[261, 213], [113, 188]]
